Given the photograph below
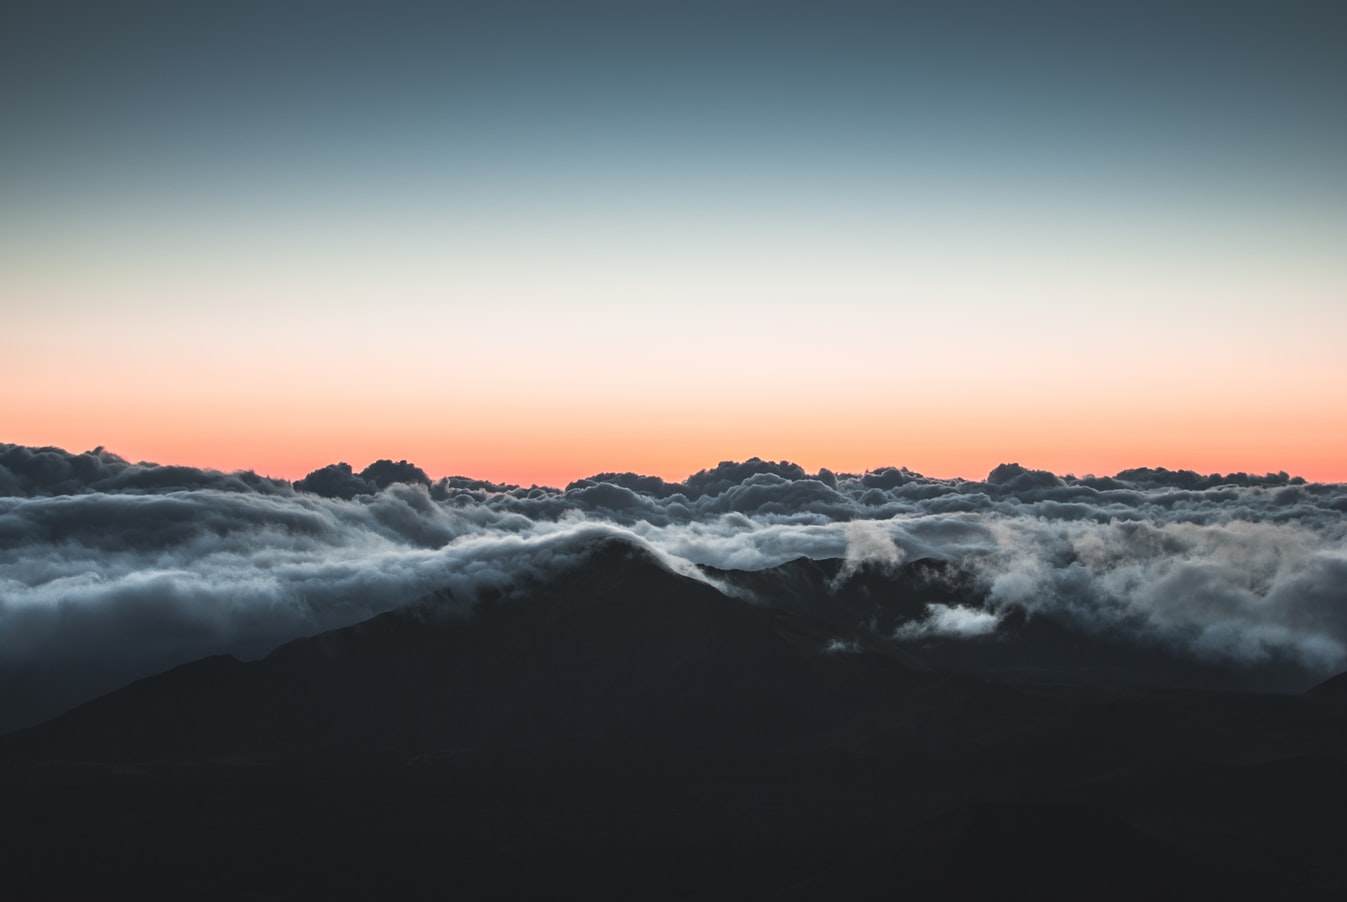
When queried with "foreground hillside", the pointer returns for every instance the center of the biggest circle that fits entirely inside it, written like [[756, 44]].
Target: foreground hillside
[[619, 730]]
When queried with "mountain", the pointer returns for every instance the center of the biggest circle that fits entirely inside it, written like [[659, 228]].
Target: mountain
[[985, 849], [621, 648], [873, 602], [621, 730]]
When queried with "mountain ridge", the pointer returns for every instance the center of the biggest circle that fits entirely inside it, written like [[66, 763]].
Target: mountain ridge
[[621, 729]]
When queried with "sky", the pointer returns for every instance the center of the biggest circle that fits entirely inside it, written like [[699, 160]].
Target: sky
[[534, 241]]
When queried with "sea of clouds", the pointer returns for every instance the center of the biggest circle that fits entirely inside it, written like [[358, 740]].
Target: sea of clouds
[[112, 570]]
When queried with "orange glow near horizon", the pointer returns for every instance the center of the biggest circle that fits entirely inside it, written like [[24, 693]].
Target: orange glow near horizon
[[923, 360], [527, 446]]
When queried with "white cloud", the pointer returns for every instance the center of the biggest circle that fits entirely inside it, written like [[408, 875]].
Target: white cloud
[[950, 621]]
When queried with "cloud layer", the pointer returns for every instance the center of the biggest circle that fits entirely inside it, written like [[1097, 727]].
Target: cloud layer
[[110, 570]]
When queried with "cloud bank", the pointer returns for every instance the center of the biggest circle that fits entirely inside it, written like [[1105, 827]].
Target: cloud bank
[[111, 570]]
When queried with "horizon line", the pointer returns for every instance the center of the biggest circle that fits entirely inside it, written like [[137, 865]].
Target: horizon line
[[104, 451]]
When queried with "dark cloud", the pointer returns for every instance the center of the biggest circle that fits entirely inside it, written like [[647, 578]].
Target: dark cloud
[[335, 481], [887, 478], [383, 473], [607, 496], [645, 485], [54, 471], [338, 481], [111, 570], [1015, 479], [1147, 478], [728, 474]]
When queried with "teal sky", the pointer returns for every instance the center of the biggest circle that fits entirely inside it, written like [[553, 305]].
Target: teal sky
[[182, 187], [409, 106]]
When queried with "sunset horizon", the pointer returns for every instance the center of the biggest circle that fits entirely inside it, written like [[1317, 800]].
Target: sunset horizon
[[670, 467], [543, 245]]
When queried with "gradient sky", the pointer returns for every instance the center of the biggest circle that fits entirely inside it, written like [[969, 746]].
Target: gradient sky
[[533, 241]]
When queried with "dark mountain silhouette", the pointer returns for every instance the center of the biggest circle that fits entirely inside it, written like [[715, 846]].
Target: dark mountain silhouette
[[621, 647], [620, 730], [871, 601], [1332, 691], [873, 597], [1002, 850]]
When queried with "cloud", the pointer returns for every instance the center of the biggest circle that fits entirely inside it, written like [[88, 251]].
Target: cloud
[[950, 621], [1234, 590], [338, 481], [110, 570], [868, 542], [53, 471]]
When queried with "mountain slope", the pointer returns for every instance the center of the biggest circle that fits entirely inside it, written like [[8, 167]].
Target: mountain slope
[[619, 730]]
